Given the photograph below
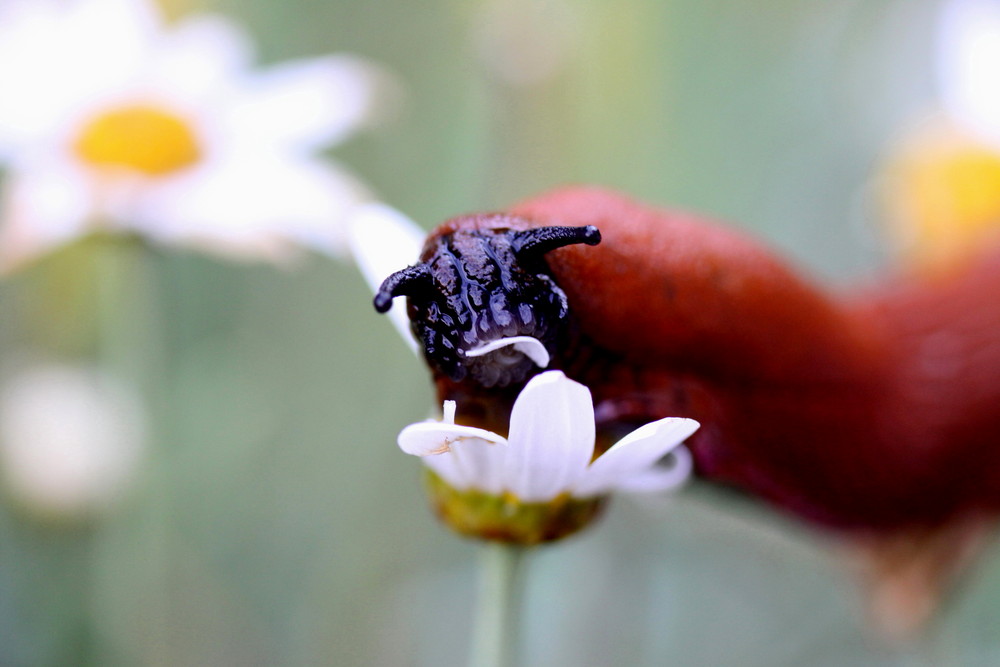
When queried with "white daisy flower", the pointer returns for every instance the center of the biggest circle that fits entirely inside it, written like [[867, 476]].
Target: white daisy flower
[[543, 477], [110, 118], [71, 439], [968, 61], [941, 179], [550, 449]]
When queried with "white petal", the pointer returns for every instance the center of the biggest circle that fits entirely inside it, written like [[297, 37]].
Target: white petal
[[448, 468], [121, 22], [463, 456], [479, 463], [526, 345], [432, 437], [199, 59], [969, 59], [45, 204], [247, 204], [23, 26], [551, 437], [661, 477], [635, 454], [108, 41], [32, 52], [383, 241], [326, 197], [306, 104]]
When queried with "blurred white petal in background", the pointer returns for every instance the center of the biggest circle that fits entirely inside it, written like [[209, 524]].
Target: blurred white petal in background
[[383, 241], [71, 439], [968, 61]]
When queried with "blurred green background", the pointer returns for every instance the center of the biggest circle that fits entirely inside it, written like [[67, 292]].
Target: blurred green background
[[275, 521]]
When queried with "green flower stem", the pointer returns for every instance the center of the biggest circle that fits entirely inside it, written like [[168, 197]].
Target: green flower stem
[[127, 312], [130, 344], [495, 636]]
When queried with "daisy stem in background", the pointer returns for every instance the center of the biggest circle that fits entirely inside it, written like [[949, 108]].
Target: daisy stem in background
[[495, 635], [130, 345], [126, 304]]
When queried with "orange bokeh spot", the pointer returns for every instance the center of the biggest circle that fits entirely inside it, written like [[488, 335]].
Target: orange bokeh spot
[[944, 197]]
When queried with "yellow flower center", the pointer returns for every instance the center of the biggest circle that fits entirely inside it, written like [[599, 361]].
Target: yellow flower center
[[944, 197], [140, 138]]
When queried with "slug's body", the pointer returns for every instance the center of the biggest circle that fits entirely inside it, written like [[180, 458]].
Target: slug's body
[[876, 411]]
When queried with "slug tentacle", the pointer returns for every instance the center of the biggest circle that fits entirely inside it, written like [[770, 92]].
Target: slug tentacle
[[407, 282], [533, 243]]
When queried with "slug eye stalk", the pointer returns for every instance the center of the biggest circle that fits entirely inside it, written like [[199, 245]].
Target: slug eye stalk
[[533, 243], [408, 282]]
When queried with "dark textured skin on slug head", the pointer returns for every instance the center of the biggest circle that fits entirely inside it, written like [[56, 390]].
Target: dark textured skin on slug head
[[479, 279]]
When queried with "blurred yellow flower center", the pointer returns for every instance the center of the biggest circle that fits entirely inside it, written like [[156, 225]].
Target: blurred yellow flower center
[[145, 139], [945, 197]]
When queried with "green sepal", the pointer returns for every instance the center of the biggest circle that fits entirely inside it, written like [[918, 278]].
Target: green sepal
[[506, 519]]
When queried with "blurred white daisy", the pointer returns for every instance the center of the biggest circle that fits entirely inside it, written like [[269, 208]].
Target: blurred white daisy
[[111, 119], [968, 59], [941, 180], [550, 449], [71, 439]]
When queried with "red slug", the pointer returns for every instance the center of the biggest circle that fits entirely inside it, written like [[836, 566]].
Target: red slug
[[877, 410]]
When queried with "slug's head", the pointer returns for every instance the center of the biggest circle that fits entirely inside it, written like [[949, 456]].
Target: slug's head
[[481, 300]]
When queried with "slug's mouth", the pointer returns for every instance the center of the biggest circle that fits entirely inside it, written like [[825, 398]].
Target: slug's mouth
[[505, 360]]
